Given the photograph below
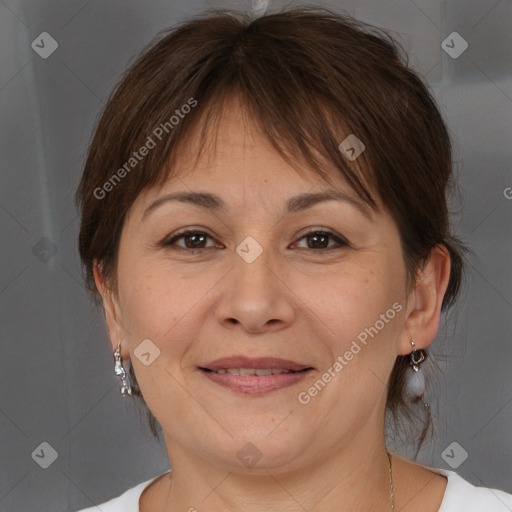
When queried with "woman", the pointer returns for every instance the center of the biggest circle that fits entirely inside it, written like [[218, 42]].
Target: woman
[[264, 219]]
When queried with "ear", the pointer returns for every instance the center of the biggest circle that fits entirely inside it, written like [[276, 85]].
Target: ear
[[423, 314], [113, 315]]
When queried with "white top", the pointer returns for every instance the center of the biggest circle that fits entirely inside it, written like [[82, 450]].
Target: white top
[[459, 496]]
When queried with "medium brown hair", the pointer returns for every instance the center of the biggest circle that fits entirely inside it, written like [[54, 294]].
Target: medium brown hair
[[306, 76]]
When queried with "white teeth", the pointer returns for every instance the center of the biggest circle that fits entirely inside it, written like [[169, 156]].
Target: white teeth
[[263, 371], [253, 371]]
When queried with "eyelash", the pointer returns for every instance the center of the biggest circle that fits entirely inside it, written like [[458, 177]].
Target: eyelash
[[182, 234]]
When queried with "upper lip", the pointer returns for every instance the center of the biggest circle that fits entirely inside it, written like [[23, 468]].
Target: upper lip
[[257, 363]]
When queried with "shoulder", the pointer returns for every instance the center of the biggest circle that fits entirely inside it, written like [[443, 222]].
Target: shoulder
[[126, 502], [462, 496], [443, 490], [459, 496]]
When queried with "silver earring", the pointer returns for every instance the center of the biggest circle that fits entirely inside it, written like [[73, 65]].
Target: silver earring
[[119, 371], [416, 382]]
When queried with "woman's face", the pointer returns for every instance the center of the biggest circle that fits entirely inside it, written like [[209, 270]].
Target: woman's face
[[253, 283]]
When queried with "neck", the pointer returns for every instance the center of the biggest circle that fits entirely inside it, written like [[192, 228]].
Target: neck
[[355, 477]]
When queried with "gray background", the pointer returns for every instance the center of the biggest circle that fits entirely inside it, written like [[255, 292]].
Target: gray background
[[56, 373]]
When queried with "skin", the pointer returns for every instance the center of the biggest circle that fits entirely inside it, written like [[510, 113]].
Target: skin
[[297, 300]]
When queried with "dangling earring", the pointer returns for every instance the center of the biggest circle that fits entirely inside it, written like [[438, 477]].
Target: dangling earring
[[119, 371], [416, 382]]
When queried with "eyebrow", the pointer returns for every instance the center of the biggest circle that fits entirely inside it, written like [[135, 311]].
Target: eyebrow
[[294, 204]]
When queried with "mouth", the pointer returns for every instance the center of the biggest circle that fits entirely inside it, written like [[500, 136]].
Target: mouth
[[255, 376], [253, 371]]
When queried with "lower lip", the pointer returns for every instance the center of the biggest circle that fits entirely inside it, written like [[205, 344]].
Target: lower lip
[[254, 383]]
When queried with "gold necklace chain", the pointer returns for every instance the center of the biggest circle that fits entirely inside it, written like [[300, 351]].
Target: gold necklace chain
[[391, 490]]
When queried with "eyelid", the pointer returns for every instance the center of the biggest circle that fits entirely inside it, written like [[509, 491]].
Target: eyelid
[[170, 239], [339, 239]]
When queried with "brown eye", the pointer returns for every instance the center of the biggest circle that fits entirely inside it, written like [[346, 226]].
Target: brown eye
[[320, 240], [193, 239]]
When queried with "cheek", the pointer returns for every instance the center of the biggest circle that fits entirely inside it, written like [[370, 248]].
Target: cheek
[[150, 306], [152, 311], [347, 302], [165, 308], [360, 319]]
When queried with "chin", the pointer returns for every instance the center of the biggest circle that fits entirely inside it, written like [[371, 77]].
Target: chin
[[263, 451]]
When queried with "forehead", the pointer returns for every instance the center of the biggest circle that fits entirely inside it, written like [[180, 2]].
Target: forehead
[[211, 195], [231, 159], [234, 148]]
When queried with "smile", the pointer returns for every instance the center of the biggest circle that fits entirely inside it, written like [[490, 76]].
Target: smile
[[255, 380], [252, 371]]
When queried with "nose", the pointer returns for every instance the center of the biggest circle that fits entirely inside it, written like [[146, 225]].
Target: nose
[[255, 298]]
